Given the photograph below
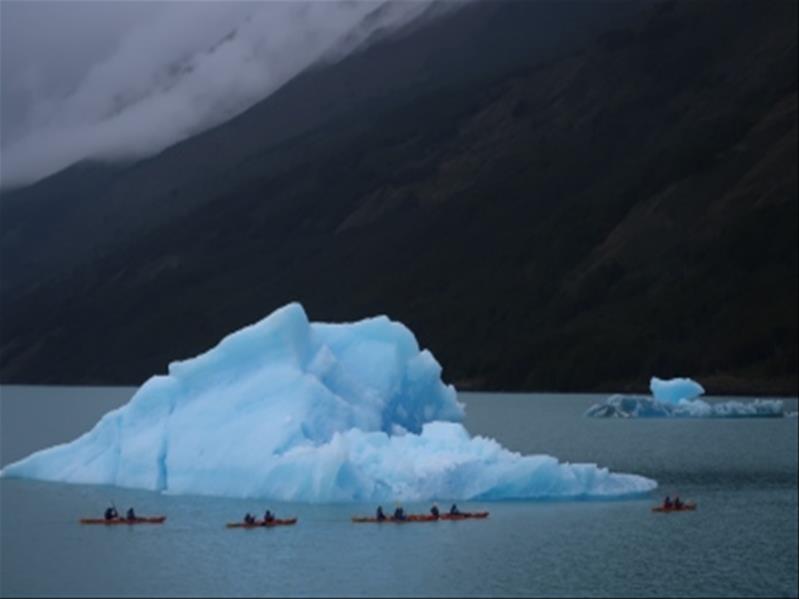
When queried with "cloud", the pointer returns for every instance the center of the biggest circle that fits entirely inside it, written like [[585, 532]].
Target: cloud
[[183, 68]]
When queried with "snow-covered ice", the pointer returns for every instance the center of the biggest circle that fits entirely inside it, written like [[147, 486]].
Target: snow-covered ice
[[678, 398], [300, 411]]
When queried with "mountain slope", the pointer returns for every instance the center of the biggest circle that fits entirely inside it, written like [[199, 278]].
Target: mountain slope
[[342, 99], [578, 217]]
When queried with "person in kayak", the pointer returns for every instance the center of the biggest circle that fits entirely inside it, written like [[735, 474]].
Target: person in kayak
[[249, 518], [131, 515], [677, 503], [667, 504], [399, 513], [380, 515], [111, 513], [454, 511], [269, 516], [434, 511]]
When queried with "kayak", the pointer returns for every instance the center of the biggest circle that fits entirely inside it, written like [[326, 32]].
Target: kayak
[[465, 516], [421, 518], [145, 520], [687, 507], [408, 518], [263, 524]]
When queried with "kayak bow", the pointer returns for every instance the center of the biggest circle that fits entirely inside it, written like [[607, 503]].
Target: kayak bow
[[687, 507], [420, 518], [263, 524], [465, 516], [144, 520]]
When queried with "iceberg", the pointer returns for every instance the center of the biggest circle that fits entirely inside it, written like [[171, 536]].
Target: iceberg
[[298, 411], [673, 391], [678, 398]]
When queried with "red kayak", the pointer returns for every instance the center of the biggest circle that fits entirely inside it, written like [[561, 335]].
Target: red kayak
[[146, 520], [686, 507], [263, 524], [408, 518], [421, 518]]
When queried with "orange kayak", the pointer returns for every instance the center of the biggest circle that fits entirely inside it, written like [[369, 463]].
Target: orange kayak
[[263, 524], [408, 518], [146, 520], [420, 518], [686, 507]]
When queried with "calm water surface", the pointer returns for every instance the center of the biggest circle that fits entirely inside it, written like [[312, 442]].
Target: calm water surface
[[742, 541]]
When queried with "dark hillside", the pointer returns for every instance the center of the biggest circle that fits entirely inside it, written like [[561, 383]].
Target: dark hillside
[[85, 211], [619, 206]]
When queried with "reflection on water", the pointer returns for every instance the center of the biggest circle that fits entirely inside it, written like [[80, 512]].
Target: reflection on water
[[741, 541]]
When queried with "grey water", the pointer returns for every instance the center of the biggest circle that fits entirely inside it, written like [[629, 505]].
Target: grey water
[[741, 541]]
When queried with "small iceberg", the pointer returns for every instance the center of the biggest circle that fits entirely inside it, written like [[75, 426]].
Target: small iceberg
[[298, 411], [673, 391], [678, 398]]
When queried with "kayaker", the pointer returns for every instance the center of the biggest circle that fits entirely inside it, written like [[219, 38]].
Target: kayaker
[[667, 504], [399, 513], [249, 518], [380, 515], [131, 515], [677, 503], [111, 513], [454, 511], [434, 511], [269, 516]]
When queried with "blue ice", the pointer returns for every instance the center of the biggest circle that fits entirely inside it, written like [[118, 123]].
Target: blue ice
[[673, 390], [315, 412], [679, 398]]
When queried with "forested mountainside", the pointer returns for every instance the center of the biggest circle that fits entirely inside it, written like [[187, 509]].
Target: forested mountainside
[[551, 195]]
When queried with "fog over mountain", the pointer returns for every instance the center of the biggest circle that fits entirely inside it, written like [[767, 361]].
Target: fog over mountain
[[128, 82]]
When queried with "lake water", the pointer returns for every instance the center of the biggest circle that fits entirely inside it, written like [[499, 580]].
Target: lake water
[[742, 541]]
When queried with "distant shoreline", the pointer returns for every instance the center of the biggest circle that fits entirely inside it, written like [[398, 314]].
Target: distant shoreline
[[715, 386], [776, 390]]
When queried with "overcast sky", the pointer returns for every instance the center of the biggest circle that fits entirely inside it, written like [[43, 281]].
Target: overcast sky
[[126, 78]]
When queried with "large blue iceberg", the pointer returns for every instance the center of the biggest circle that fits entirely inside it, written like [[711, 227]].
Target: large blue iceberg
[[295, 411], [678, 398]]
